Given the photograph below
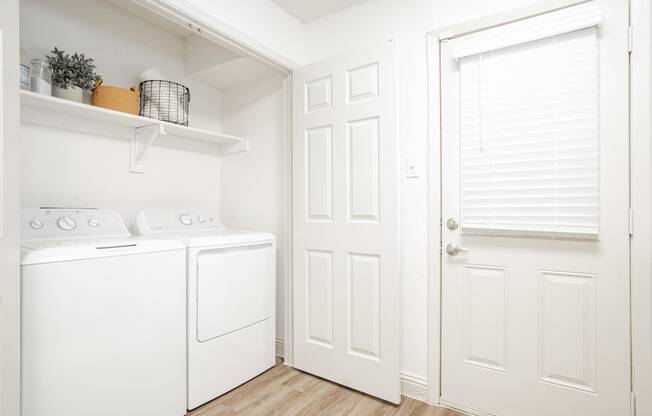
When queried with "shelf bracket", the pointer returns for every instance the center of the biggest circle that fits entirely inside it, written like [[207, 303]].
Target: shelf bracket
[[140, 144], [237, 147]]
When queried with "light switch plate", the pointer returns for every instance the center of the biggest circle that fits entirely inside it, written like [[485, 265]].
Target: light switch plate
[[411, 168]]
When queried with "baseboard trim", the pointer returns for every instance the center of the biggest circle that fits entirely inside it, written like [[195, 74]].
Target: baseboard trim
[[414, 386], [280, 347]]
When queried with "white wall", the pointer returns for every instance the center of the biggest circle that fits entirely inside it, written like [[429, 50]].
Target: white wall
[[407, 21], [9, 205], [91, 169], [70, 169], [253, 188]]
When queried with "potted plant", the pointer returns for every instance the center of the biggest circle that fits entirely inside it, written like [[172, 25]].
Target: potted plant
[[73, 76]]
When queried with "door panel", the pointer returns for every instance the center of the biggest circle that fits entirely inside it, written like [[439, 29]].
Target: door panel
[[319, 299], [362, 169], [485, 323], [364, 305], [233, 288], [567, 327], [535, 274], [346, 249], [319, 172]]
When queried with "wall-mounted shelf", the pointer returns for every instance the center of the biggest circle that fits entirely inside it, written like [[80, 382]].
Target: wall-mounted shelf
[[228, 144]]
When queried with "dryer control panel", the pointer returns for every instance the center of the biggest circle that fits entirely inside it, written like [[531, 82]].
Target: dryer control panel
[[70, 222], [155, 220]]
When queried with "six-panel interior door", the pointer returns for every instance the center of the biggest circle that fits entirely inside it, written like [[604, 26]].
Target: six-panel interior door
[[535, 174], [346, 237]]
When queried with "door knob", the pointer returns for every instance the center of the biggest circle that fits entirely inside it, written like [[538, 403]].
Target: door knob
[[453, 250]]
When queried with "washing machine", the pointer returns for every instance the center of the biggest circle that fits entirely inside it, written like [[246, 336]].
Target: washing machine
[[231, 299], [103, 317]]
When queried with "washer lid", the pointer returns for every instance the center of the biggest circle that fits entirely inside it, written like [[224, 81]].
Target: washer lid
[[72, 249]]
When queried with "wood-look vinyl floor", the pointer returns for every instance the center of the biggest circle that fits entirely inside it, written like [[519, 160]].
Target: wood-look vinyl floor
[[284, 391]]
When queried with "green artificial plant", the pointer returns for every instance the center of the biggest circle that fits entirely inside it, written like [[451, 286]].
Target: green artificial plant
[[72, 70]]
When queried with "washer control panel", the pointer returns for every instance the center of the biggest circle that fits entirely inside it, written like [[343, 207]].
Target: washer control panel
[[154, 220], [70, 222]]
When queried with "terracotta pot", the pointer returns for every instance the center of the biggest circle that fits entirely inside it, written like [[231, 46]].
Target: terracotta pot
[[116, 98], [71, 93]]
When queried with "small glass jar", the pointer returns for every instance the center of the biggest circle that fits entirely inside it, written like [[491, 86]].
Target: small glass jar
[[24, 77], [40, 77]]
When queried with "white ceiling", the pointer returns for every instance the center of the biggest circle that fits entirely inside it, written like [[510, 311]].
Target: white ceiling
[[306, 10]]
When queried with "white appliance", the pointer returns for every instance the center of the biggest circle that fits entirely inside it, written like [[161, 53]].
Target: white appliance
[[103, 317], [231, 299]]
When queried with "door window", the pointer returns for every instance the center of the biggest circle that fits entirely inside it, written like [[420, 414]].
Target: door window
[[529, 134]]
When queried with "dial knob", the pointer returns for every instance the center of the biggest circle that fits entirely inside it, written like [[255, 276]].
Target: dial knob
[[67, 223], [93, 222], [201, 219], [185, 219], [36, 224]]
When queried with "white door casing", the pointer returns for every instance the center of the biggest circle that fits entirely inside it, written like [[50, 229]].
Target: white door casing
[[641, 150], [346, 288], [536, 322], [9, 214]]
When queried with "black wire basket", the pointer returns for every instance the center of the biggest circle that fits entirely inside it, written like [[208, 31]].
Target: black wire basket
[[165, 101]]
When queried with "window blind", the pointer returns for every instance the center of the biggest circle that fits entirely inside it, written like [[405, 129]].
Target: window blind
[[559, 22], [529, 136]]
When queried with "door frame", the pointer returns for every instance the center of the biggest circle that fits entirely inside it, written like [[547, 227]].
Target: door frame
[[640, 151], [641, 204], [287, 343]]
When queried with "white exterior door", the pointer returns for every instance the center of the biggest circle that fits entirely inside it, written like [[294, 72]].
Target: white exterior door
[[9, 214], [346, 236], [535, 182]]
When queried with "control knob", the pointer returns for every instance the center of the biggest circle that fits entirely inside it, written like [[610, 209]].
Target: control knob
[[67, 223], [36, 224], [185, 219]]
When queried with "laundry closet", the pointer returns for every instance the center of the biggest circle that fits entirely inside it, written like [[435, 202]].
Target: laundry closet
[[231, 157], [333, 189]]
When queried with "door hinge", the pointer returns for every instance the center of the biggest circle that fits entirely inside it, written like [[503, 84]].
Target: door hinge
[[630, 38], [630, 222], [632, 404]]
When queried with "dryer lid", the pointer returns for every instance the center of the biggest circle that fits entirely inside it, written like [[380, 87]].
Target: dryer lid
[[218, 238], [195, 228]]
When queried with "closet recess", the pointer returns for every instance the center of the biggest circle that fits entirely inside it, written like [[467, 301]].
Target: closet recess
[[121, 36]]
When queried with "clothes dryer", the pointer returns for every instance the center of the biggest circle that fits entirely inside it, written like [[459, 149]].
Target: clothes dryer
[[231, 299]]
